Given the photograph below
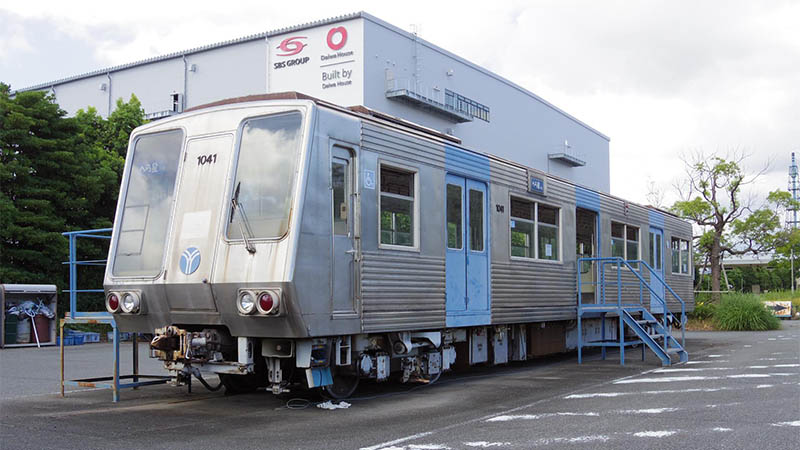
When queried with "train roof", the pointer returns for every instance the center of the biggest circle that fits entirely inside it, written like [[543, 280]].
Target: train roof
[[373, 115]]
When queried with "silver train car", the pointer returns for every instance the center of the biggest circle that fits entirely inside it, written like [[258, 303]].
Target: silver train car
[[282, 241]]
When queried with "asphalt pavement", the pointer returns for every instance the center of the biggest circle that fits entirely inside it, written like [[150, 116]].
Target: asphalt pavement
[[739, 391]]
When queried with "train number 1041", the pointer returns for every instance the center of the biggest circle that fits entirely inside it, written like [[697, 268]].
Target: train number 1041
[[206, 159]]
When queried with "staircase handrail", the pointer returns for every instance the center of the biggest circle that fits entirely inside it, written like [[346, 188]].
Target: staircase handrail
[[619, 262], [663, 301]]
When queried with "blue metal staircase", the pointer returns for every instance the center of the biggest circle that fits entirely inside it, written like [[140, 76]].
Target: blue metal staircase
[[651, 324]]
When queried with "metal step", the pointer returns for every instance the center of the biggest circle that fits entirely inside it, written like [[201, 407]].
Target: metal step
[[675, 350]]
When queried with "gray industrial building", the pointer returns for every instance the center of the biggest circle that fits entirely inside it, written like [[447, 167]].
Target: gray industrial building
[[351, 60]]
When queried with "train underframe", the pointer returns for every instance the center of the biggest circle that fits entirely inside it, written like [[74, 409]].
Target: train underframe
[[337, 364]]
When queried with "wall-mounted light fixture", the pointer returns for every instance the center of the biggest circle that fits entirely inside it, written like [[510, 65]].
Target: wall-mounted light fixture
[[103, 87], [193, 68]]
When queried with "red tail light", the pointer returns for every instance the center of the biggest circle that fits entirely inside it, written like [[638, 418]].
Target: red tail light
[[112, 303], [265, 301]]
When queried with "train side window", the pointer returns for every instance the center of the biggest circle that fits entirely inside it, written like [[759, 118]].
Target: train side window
[[547, 229], [624, 241], [534, 230], [397, 221], [617, 240], [522, 226], [680, 256], [454, 217]]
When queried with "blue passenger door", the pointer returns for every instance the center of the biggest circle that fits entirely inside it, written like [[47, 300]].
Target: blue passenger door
[[656, 261], [467, 259]]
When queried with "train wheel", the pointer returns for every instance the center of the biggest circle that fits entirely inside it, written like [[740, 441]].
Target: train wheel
[[344, 384]]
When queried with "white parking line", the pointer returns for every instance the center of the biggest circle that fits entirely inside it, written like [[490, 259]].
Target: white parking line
[[656, 434], [660, 392], [507, 418], [665, 380], [795, 423], [648, 411]]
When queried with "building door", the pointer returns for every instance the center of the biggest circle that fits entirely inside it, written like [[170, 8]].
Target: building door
[[656, 261], [467, 260], [586, 242], [343, 269]]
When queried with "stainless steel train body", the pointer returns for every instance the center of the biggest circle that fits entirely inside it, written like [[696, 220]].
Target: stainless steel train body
[[382, 246]]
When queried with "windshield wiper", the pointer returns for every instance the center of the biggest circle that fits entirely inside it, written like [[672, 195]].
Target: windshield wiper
[[244, 224]]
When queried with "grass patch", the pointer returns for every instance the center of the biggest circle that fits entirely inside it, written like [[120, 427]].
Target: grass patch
[[744, 312], [694, 324]]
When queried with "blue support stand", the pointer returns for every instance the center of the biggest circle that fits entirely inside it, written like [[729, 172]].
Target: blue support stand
[[77, 317]]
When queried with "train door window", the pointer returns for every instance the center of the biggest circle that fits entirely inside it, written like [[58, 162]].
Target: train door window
[[655, 259], [397, 208], [454, 217], [547, 230], [339, 184], [476, 220], [624, 241], [522, 226], [680, 256]]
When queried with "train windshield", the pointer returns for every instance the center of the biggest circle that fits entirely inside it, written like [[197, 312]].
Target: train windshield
[[142, 234], [265, 172]]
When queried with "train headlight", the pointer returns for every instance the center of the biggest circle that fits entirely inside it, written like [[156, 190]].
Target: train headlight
[[112, 302], [130, 303], [246, 303], [268, 302]]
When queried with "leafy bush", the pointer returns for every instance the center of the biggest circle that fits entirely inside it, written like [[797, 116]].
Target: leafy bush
[[744, 312], [703, 310]]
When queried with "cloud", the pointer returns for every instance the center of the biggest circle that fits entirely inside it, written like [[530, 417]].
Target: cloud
[[659, 77]]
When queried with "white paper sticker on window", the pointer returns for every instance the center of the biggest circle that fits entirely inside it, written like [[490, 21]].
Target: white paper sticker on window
[[548, 250], [195, 224], [369, 179], [513, 223]]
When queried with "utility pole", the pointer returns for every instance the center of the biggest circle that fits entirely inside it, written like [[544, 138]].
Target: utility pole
[[793, 189]]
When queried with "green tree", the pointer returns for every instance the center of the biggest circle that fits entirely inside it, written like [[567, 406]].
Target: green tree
[[711, 198], [121, 123], [38, 201], [57, 174]]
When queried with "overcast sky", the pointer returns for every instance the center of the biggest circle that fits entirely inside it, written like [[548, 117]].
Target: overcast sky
[[660, 78]]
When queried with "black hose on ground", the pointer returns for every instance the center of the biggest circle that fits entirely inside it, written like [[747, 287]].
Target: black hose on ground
[[199, 376]]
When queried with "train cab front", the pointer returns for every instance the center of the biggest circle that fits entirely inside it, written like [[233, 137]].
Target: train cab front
[[204, 239]]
